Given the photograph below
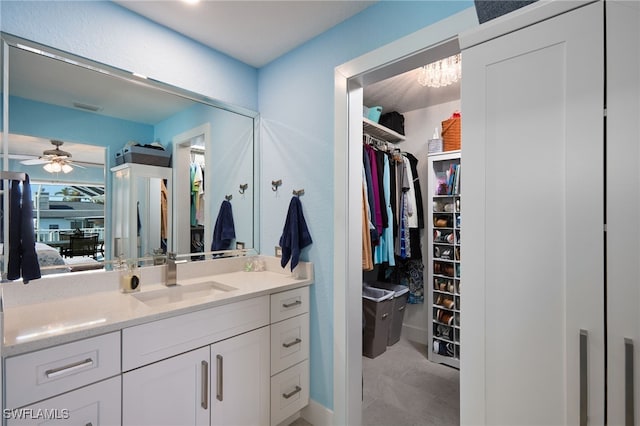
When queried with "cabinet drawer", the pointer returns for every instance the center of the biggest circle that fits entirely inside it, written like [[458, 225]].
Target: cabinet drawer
[[42, 374], [289, 342], [289, 392], [97, 405], [289, 304], [147, 343]]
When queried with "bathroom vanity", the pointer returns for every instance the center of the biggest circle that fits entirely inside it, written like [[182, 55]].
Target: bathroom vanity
[[222, 347]]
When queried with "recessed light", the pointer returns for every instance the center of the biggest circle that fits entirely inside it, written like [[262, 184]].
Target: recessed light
[[191, 1]]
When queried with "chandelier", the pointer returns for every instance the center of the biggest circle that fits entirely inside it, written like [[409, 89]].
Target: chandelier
[[441, 73]]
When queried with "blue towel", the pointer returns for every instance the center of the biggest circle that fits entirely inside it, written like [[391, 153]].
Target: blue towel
[[224, 232], [295, 235], [23, 259]]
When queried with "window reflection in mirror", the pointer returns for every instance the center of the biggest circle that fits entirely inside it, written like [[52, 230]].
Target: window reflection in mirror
[[54, 96]]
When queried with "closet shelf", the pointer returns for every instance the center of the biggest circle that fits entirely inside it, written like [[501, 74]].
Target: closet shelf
[[376, 130]]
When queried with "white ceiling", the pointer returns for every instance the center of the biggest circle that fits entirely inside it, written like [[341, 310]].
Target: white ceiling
[[254, 32]]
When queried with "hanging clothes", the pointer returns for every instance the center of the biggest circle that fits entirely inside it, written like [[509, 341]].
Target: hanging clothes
[[197, 193], [23, 259], [367, 262], [164, 201], [384, 251]]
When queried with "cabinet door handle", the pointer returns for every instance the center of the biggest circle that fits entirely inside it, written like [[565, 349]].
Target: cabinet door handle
[[295, 342], [69, 368], [629, 415], [293, 392], [584, 377], [292, 304], [219, 382], [204, 403]]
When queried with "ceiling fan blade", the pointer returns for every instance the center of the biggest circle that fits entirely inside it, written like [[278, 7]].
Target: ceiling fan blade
[[34, 161], [75, 164]]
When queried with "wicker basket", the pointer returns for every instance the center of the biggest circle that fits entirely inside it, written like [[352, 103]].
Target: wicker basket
[[451, 134]]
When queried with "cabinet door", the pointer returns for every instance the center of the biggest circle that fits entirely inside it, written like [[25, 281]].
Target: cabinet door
[[532, 149], [97, 405], [170, 392], [623, 212], [240, 380]]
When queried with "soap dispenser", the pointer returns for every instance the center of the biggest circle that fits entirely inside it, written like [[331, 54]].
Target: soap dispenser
[[129, 278]]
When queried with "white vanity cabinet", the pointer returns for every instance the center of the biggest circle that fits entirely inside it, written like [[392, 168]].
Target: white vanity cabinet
[[174, 391], [74, 383], [289, 353], [240, 379], [244, 363]]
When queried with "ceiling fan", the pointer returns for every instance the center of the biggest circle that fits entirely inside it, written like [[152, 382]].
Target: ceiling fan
[[54, 160]]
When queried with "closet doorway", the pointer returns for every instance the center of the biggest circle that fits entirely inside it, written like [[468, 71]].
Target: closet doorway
[[189, 159], [352, 80]]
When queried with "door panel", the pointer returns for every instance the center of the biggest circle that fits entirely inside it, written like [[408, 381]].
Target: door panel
[[532, 151], [623, 209]]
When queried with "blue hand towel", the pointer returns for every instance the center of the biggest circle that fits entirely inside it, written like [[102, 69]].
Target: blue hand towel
[[23, 259], [224, 231], [295, 235]]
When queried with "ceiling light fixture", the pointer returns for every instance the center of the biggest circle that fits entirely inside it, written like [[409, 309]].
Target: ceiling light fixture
[[441, 73], [57, 167], [191, 1]]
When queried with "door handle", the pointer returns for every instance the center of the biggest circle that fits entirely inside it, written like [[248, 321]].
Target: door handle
[[584, 377], [629, 409], [219, 382], [204, 403]]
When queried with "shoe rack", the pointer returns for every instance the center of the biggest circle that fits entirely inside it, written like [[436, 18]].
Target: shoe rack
[[444, 258]]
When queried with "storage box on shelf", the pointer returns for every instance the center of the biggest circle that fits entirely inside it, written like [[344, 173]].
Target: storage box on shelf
[[444, 266]]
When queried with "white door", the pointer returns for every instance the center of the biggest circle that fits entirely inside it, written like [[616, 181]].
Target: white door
[[97, 405], [170, 392], [623, 212], [240, 372], [533, 243]]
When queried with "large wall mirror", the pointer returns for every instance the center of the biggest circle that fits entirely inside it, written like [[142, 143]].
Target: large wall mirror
[[88, 112]]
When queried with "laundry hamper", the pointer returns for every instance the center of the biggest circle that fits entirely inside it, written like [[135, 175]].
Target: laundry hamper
[[400, 298], [377, 305]]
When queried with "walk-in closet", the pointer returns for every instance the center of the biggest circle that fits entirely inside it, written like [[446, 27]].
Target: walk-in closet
[[412, 208]]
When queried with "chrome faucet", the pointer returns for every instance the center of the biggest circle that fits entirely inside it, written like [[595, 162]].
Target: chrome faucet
[[171, 277]]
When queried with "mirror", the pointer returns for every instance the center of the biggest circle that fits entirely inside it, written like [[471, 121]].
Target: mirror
[[96, 111]]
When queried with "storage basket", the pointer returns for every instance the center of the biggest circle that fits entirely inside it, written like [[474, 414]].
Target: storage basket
[[451, 134]]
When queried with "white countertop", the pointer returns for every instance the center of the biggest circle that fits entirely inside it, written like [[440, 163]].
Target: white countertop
[[55, 313]]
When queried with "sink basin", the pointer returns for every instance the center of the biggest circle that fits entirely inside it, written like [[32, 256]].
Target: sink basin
[[180, 293]]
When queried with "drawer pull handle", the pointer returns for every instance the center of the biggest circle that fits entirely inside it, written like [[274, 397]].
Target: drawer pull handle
[[89, 424], [629, 408], [204, 403], [295, 342], [292, 304], [219, 383], [70, 368], [293, 392], [584, 377]]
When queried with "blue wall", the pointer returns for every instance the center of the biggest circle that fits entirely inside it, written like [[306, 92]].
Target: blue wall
[[296, 95]]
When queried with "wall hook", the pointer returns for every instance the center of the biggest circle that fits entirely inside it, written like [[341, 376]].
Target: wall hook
[[243, 188], [228, 197], [299, 192], [275, 184]]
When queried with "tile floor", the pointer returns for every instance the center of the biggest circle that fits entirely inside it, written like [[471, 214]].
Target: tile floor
[[402, 388]]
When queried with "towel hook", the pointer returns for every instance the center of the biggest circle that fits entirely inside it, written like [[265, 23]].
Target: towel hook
[[228, 197], [243, 187], [275, 184], [299, 192]]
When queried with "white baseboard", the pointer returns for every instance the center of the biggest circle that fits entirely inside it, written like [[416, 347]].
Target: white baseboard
[[317, 414], [415, 334]]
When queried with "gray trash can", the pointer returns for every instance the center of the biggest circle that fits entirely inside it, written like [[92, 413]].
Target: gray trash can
[[377, 305], [400, 298]]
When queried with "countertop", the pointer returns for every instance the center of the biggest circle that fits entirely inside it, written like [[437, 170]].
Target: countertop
[[47, 316]]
